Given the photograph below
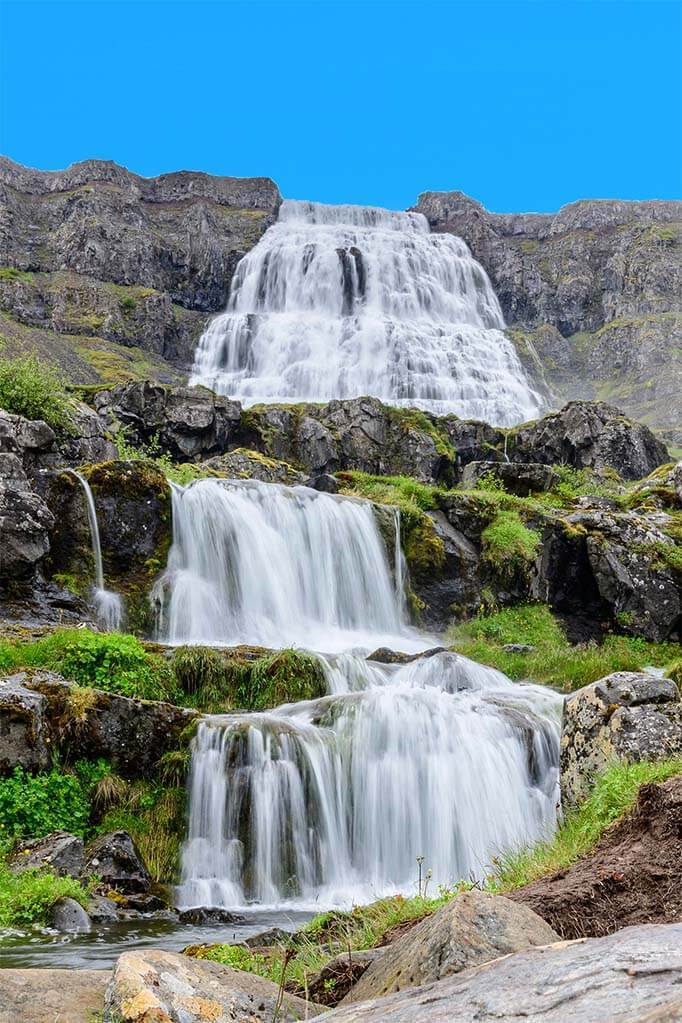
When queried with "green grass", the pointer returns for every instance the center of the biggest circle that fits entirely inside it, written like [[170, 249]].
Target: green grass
[[614, 793], [27, 898], [508, 545], [404, 492], [114, 662], [31, 388], [554, 661]]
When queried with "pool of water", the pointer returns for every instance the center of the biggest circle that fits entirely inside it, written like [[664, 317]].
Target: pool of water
[[101, 947]]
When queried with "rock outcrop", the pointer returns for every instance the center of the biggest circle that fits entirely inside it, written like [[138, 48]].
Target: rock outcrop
[[630, 877], [38, 718], [591, 295], [115, 859], [634, 975], [155, 985], [98, 259], [58, 852], [471, 929], [627, 715]]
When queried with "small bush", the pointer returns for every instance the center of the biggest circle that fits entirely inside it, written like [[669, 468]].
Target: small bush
[[33, 389], [35, 805]]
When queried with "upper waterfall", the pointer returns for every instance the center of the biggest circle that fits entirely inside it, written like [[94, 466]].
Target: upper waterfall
[[341, 301]]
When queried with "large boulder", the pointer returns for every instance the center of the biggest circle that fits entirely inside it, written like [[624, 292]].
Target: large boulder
[[68, 916], [590, 435], [521, 478], [633, 975], [36, 713], [186, 422], [151, 985], [48, 996], [628, 715], [115, 859], [59, 852], [630, 877], [471, 929], [25, 521]]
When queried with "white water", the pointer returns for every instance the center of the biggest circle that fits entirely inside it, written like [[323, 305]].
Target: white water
[[108, 605], [331, 801], [273, 566], [342, 301]]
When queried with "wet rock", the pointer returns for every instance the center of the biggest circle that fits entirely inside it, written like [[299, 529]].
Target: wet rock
[[184, 421], [35, 715], [172, 988], [521, 478], [265, 939], [117, 862], [383, 655], [61, 852], [325, 482], [472, 929], [632, 975], [627, 715], [25, 520], [208, 915], [51, 996], [590, 435], [102, 910], [69, 916], [147, 903]]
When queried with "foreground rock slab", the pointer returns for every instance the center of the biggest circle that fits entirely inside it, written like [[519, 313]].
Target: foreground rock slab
[[472, 929], [47, 996], [165, 987], [634, 975]]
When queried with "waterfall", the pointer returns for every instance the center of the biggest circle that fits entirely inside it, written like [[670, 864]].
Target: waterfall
[[330, 802], [271, 565], [342, 301], [107, 604]]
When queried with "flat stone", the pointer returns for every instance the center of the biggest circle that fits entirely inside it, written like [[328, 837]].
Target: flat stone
[[51, 996]]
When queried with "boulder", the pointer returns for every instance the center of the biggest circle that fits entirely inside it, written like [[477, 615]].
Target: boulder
[[471, 929], [102, 910], [52, 996], [633, 975], [521, 478], [25, 521], [627, 715], [69, 916], [208, 915], [171, 988], [35, 715], [115, 859], [186, 422], [60, 852], [630, 877], [590, 435]]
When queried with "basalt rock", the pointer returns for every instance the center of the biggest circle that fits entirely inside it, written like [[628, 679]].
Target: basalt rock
[[68, 916], [59, 852], [25, 521], [38, 718], [117, 862], [627, 715]]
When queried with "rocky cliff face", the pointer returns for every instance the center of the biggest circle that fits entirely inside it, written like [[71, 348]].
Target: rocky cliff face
[[112, 275], [591, 295]]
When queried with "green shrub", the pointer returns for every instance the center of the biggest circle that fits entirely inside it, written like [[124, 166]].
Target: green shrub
[[33, 389], [26, 898], [286, 677], [35, 805], [508, 545]]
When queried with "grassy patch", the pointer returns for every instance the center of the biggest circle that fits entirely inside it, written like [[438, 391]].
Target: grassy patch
[[405, 492], [113, 662], [554, 661], [27, 898], [31, 388], [614, 793], [154, 816], [508, 545]]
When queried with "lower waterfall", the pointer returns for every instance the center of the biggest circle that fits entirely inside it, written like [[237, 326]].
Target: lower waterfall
[[331, 801]]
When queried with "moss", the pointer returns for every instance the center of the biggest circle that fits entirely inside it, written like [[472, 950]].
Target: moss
[[12, 273], [408, 419], [286, 677], [508, 546], [424, 550]]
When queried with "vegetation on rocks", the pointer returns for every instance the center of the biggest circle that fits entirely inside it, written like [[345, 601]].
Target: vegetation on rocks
[[31, 388], [26, 898], [35, 805], [551, 659], [508, 545]]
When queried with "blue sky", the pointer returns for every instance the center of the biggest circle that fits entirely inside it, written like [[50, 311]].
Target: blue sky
[[525, 106]]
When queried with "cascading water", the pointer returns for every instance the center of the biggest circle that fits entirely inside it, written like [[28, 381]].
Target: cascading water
[[331, 801], [342, 301], [107, 604], [273, 565]]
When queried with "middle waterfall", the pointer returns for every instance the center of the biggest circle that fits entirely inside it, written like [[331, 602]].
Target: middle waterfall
[[331, 801]]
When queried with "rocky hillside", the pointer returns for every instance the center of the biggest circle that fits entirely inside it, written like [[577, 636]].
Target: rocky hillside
[[591, 295], [111, 275]]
